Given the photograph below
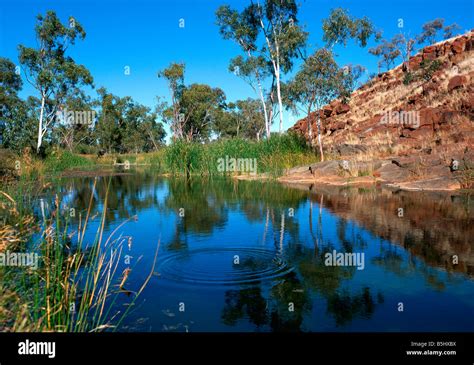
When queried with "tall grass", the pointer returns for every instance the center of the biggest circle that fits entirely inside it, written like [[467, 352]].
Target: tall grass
[[76, 286], [273, 156], [59, 161]]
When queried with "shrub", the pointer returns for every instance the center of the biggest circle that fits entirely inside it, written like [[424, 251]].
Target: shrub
[[62, 160]]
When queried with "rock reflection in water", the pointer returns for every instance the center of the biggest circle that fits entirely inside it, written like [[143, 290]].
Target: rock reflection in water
[[280, 236]]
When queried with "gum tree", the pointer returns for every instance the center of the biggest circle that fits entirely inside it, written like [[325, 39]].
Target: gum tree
[[340, 27], [388, 51], [430, 31], [252, 70], [49, 70], [240, 27], [242, 118], [429, 35], [174, 75], [405, 45], [200, 104], [318, 81], [284, 39], [15, 123]]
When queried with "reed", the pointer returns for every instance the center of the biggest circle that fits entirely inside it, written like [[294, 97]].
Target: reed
[[273, 155], [76, 285]]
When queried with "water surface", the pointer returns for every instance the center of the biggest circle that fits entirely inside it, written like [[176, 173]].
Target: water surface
[[250, 256]]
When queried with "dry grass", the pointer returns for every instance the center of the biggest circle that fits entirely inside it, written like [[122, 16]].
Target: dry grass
[[75, 287]]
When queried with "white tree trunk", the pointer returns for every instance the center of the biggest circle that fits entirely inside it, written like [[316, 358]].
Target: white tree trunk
[[310, 128], [262, 99], [280, 104], [319, 137], [40, 126]]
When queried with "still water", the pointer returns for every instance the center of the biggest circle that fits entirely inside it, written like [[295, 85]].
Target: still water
[[252, 256]]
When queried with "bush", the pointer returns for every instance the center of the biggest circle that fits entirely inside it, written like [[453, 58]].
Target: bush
[[424, 73], [408, 78], [85, 149], [62, 160], [428, 68]]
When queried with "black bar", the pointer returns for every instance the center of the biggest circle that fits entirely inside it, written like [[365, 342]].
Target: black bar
[[307, 348]]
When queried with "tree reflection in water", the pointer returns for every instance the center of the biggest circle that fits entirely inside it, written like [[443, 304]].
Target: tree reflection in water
[[360, 221]]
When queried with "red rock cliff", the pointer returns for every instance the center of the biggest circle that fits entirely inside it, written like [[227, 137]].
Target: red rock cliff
[[432, 115]]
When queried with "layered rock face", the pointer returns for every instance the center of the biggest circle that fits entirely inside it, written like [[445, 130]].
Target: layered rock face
[[419, 114]]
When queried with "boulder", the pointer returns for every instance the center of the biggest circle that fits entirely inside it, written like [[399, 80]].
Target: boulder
[[414, 62], [456, 82], [458, 45], [327, 110], [342, 108]]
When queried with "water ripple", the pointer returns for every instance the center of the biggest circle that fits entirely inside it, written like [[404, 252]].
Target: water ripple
[[216, 266]]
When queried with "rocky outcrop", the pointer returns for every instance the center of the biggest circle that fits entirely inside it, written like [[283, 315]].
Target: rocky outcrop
[[422, 111]]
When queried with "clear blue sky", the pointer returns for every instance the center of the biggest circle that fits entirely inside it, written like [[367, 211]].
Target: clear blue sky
[[145, 35]]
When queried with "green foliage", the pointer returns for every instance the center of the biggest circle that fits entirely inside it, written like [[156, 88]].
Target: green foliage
[[424, 73], [55, 75], [193, 109], [59, 161], [16, 123], [174, 75], [340, 26], [271, 29], [431, 29], [408, 78], [199, 105], [388, 50], [127, 126], [243, 118], [185, 157], [273, 155], [428, 68], [240, 27], [319, 81]]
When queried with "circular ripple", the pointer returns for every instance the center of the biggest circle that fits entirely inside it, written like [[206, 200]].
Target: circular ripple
[[216, 266]]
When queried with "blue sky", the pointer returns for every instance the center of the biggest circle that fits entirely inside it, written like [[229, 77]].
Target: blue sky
[[145, 35]]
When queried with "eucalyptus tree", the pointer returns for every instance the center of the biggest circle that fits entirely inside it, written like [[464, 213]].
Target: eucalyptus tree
[[249, 110], [430, 30], [242, 118], [174, 75], [450, 30], [15, 123], [47, 68], [240, 27], [253, 70], [340, 27], [200, 104], [318, 81], [77, 136], [284, 39], [405, 45], [388, 51]]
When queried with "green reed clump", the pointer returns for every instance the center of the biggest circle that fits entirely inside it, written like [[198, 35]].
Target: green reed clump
[[273, 156], [76, 284], [60, 160]]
